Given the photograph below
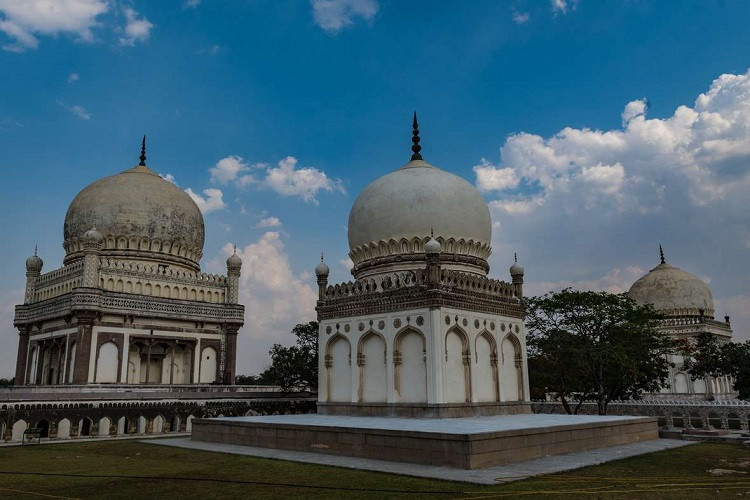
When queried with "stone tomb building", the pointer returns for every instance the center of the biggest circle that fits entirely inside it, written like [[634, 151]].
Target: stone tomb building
[[422, 331], [130, 304], [688, 308]]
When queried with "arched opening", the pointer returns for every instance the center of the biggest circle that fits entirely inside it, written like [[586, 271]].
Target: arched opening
[[18, 428], [141, 425], [158, 425], [123, 426], [338, 369], [84, 427], [43, 425], [371, 359], [410, 367], [174, 424], [680, 383], [456, 374]]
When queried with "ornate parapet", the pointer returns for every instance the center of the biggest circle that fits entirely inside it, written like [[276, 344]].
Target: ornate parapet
[[411, 289], [103, 301], [58, 282]]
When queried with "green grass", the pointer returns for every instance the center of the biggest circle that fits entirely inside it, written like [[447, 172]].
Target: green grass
[[130, 469]]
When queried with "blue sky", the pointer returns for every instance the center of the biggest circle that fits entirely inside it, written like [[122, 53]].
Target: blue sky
[[595, 130]]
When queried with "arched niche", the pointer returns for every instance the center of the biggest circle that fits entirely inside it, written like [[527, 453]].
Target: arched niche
[[107, 363], [410, 366], [338, 369], [486, 384], [511, 369], [371, 360], [456, 367]]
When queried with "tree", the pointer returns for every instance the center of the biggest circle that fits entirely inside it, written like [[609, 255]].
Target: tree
[[595, 345], [710, 357], [296, 366]]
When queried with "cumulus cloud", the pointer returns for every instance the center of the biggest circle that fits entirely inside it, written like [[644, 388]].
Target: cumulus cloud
[[137, 28], [306, 182], [211, 201], [170, 178], [563, 6], [334, 15], [269, 222], [275, 298], [490, 178], [228, 169], [77, 110], [73, 77], [587, 201], [23, 20], [191, 4]]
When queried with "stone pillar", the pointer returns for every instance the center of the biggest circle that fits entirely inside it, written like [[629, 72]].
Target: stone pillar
[[234, 265], [92, 243], [230, 362], [22, 358], [83, 346], [433, 270], [33, 270]]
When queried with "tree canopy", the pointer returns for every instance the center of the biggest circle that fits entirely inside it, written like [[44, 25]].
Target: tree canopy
[[295, 366], [594, 345], [711, 357]]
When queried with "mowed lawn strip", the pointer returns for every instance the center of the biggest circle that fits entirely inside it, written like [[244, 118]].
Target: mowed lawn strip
[[130, 469]]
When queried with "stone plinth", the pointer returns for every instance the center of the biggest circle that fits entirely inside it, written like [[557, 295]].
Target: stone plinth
[[467, 443]]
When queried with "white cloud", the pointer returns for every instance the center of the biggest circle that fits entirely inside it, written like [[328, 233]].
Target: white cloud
[[191, 4], [490, 178], [77, 110], [275, 299], [227, 169], [23, 20], [269, 222], [212, 50], [73, 77], [213, 199], [304, 182], [137, 29], [347, 263], [519, 17], [562, 6], [333, 15], [590, 200], [170, 178]]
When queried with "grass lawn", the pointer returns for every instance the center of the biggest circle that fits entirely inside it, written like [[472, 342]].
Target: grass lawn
[[129, 469]]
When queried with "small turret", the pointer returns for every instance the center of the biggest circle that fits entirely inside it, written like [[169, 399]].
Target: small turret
[[516, 274], [33, 270], [92, 244], [322, 271], [234, 266]]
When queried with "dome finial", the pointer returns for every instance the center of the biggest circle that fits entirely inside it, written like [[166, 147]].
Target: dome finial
[[35, 255], [143, 152], [661, 254], [321, 256], [416, 148]]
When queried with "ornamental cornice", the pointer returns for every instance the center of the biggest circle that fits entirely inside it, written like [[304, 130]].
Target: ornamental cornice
[[102, 301], [382, 251]]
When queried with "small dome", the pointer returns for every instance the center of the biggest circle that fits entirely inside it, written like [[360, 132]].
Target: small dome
[[516, 269], [234, 260], [34, 263], [433, 246], [673, 292], [92, 235], [140, 216], [322, 268], [390, 217]]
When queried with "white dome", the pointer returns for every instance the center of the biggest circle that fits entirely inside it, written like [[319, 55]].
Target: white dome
[[393, 218], [673, 292], [140, 216]]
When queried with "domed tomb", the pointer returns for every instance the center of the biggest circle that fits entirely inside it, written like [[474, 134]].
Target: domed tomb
[[394, 216], [140, 217], [673, 292]]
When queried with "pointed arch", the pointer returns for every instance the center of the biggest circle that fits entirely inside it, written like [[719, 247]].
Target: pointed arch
[[511, 370], [457, 366], [487, 387], [338, 360], [371, 363], [410, 366]]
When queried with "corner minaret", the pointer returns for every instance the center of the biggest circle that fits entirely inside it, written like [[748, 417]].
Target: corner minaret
[[234, 265], [321, 271], [516, 274], [33, 270]]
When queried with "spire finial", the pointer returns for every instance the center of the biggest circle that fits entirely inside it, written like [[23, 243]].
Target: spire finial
[[416, 148], [35, 250], [235, 249], [143, 152], [321, 256], [661, 254], [432, 232], [515, 257]]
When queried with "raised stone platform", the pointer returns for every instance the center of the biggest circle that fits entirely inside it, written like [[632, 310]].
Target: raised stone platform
[[467, 443]]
